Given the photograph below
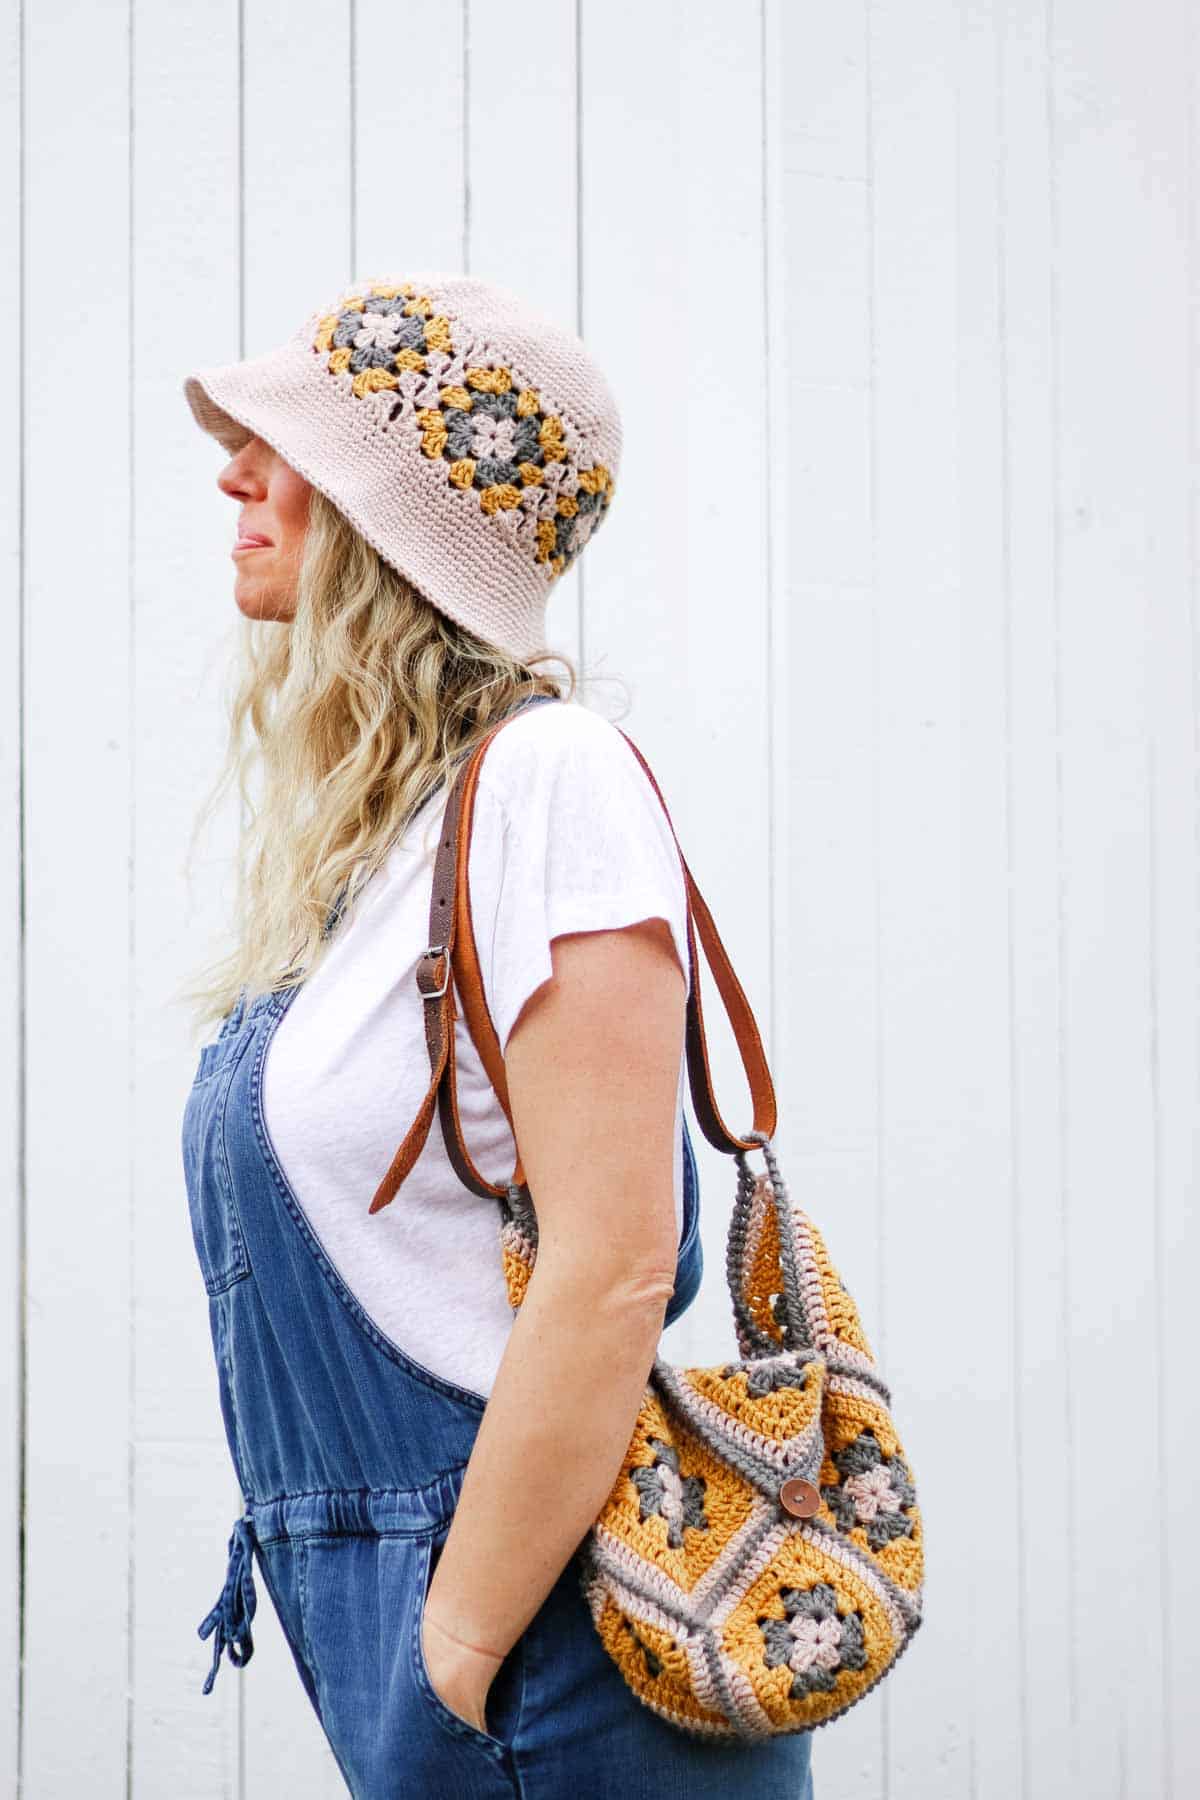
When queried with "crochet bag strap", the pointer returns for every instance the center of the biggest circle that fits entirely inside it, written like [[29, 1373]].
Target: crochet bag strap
[[452, 949]]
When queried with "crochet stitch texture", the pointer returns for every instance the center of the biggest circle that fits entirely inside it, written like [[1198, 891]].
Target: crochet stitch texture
[[472, 440]]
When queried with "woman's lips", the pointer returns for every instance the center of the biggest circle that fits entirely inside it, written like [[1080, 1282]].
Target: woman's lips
[[251, 542]]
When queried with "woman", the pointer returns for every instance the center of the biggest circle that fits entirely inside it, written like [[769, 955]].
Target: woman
[[412, 471]]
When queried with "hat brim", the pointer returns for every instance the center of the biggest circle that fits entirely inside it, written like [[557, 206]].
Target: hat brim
[[230, 432]]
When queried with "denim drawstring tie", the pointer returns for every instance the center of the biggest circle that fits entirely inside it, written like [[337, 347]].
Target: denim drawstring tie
[[230, 1617]]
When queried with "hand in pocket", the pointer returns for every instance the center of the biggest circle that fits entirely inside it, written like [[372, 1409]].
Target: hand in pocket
[[460, 1677]]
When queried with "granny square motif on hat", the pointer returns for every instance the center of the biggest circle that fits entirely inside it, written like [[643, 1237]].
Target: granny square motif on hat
[[471, 439], [493, 433]]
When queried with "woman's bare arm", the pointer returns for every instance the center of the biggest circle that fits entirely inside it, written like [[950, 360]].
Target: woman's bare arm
[[593, 1067]]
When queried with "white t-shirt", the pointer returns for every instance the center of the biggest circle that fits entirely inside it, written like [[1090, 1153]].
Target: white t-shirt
[[568, 835]]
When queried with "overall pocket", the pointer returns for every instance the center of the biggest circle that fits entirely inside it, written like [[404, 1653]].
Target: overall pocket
[[502, 1711], [214, 1055], [215, 1230]]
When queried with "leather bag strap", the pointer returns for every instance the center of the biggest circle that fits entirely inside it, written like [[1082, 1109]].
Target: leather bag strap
[[737, 1008], [453, 952], [434, 968]]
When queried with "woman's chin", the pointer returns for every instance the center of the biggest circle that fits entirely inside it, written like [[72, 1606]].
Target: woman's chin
[[256, 600]]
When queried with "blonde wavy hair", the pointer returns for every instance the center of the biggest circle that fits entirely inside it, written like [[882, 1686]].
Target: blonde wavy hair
[[349, 716]]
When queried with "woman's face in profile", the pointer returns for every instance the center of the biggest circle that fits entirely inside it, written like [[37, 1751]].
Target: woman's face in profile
[[269, 529]]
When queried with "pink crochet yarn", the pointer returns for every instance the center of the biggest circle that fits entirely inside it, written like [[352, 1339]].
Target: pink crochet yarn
[[471, 440]]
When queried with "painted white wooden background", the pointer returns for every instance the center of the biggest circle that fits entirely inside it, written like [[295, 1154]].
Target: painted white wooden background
[[898, 300]]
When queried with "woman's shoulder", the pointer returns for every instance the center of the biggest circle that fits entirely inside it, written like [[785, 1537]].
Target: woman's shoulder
[[561, 740], [575, 837]]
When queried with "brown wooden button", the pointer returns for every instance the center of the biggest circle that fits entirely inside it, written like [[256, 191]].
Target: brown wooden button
[[800, 1498]]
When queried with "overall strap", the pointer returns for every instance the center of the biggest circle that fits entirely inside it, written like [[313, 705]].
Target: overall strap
[[452, 949]]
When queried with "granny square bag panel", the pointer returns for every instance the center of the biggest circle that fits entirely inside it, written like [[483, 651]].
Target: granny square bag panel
[[759, 1563]]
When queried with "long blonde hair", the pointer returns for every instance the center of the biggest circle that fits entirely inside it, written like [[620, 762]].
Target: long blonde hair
[[351, 714]]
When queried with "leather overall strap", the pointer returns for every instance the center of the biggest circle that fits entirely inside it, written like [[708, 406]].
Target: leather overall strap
[[452, 950]]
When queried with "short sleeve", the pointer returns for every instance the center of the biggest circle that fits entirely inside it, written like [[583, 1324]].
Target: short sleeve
[[568, 835]]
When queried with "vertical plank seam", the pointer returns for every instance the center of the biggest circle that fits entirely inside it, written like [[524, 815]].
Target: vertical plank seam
[[1071, 1508], [1192, 40], [1015, 1158], [21, 1023], [131, 839], [466, 134], [1017, 1239], [1154, 1049], [580, 313], [241, 174], [240, 1763], [885, 1713], [353, 130], [1154, 1071], [770, 561]]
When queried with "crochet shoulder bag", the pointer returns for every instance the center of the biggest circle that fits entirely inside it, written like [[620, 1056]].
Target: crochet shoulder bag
[[758, 1565]]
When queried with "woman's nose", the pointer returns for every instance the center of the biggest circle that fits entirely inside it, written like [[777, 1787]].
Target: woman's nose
[[240, 479]]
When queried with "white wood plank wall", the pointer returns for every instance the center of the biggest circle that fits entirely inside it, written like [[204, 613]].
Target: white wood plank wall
[[900, 305]]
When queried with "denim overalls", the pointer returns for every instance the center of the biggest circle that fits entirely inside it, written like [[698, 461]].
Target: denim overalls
[[349, 1456]]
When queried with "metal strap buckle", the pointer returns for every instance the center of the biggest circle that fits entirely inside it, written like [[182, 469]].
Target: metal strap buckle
[[436, 993]]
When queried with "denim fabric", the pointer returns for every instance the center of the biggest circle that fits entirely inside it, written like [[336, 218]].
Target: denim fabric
[[349, 1455]]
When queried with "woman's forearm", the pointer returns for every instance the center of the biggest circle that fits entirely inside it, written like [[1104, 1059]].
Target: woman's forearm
[[593, 1067], [549, 1447]]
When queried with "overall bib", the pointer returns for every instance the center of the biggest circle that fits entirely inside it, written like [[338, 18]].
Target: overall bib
[[349, 1456]]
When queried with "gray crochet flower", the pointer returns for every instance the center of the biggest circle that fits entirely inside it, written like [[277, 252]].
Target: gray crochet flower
[[814, 1640], [501, 406], [375, 334], [492, 435], [679, 1499], [874, 1492]]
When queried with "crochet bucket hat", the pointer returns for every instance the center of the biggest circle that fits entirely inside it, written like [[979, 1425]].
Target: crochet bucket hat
[[472, 440]]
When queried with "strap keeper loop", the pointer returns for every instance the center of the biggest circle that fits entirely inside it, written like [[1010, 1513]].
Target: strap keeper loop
[[434, 951]]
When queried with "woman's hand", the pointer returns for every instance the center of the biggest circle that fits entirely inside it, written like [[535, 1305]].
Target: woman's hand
[[459, 1675]]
